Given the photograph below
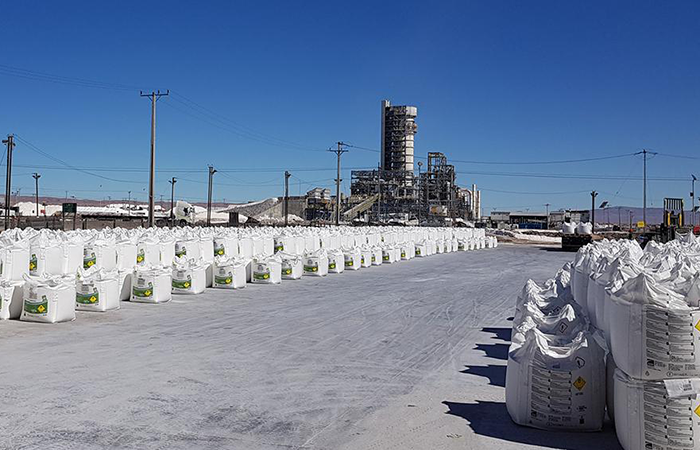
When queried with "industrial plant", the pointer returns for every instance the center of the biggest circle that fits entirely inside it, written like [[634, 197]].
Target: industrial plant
[[394, 192]]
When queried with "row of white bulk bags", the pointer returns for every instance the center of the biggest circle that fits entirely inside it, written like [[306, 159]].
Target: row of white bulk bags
[[230, 272]]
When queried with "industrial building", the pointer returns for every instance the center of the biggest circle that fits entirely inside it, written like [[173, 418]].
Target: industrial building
[[394, 192]]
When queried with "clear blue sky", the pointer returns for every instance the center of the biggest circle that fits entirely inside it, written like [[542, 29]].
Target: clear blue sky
[[507, 81]]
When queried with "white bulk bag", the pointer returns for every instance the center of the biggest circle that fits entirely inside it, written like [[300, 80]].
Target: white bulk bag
[[316, 263], [263, 245], [48, 299], [167, 250], [11, 299], [336, 261], [230, 272], [148, 252], [655, 415], [292, 266], [188, 248], [126, 255], [366, 256], [14, 260], [584, 228], [53, 256], [421, 249], [151, 284], [245, 247], [388, 255], [653, 331], [189, 276], [100, 253], [267, 270], [226, 246], [352, 258], [376, 256], [125, 283], [568, 227], [556, 387], [564, 325], [97, 290]]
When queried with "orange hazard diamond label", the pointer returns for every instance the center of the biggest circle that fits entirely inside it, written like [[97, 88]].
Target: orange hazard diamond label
[[579, 383]]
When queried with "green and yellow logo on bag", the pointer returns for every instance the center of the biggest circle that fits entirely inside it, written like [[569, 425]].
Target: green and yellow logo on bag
[[308, 268], [181, 252], [140, 257], [181, 284], [331, 265], [222, 280], [87, 299], [374, 258], [287, 271], [386, 257], [417, 252], [142, 292], [221, 251], [36, 307], [32, 263], [348, 263]]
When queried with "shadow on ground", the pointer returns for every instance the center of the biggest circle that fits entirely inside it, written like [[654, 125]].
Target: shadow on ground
[[491, 419], [501, 333], [495, 374], [496, 351]]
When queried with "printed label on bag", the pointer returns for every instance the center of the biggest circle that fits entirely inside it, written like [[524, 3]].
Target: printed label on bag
[[180, 250], [32, 263], [143, 289], [219, 249], [261, 273], [141, 256], [87, 294], [89, 258], [36, 306]]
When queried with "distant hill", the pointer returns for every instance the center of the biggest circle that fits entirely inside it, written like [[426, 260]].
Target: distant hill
[[654, 215]]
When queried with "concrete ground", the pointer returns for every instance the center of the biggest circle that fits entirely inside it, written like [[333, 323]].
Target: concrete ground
[[404, 356]]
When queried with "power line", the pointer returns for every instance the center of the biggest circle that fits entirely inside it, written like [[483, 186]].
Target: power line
[[78, 82], [69, 166]]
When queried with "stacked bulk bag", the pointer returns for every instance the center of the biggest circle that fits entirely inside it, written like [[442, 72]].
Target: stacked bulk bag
[[657, 414], [189, 247], [151, 284], [266, 270], [388, 255], [377, 256], [316, 263], [52, 254], [100, 252], [230, 272], [336, 261], [49, 299], [11, 299], [568, 227], [245, 247], [189, 276], [97, 289], [167, 249], [14, 259], [292, 266], [352, 258], [225, 245], [148, 251], [555, 385]]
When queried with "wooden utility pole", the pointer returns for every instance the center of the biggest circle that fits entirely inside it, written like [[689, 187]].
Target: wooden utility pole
[[212, 171], [36, 177], [8, 182], [154, 96], [286, 197], [339, 151]]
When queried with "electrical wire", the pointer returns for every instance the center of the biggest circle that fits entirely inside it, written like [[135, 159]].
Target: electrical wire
[[78, 82]]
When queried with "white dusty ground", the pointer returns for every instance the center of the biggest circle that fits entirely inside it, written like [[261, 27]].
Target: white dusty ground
[[405, 356]]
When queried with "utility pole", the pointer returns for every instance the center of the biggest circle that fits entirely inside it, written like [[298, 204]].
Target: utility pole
[[339, 151], [212, 171], [594, 194], [645, 152], [154, 96], [692, 196], [286, 197], [129, 204], [36, 177], [172, 182], [619, 217], [547, 206], [8, 182]]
